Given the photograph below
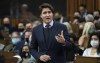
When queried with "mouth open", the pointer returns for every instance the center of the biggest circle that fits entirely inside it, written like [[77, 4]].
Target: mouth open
[[47, 18]]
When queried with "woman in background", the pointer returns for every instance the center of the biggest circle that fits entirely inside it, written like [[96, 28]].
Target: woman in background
[[26, 56], [83, 41], [94, 50]]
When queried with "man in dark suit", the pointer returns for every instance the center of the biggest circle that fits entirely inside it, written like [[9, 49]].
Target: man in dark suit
[[49, 38]]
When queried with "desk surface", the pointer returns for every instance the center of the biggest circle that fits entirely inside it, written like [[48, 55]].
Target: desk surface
[[81, 59], [8, 57]]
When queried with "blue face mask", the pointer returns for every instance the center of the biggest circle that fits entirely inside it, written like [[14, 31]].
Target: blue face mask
[[15, 40], [91, 31]]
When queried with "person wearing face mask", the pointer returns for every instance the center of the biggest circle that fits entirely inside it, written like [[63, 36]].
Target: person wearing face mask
[[21, 28], [94, 50], [15, 39], [96, 15], [6, 26], [25, 38], [25, 55], [91, 30], [77, 18], [28, 26]]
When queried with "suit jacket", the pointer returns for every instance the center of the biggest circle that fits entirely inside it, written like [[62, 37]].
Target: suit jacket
[[52, 48]]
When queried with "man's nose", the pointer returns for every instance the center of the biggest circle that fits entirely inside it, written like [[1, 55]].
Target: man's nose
[[48, 14]]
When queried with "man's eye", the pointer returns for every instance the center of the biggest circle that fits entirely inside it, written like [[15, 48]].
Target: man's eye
[[44, 12], [49, 11]]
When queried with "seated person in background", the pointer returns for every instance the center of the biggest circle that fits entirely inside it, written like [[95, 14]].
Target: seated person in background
[[83, 41], [6, 26], [96, 15], [93, 51], [58, 17], [28, 27], [69, 27], [21, 28], [26, 14], [15, 39], [77, 18], [25, 55], [25, 39], [83, 10], [70, 54]]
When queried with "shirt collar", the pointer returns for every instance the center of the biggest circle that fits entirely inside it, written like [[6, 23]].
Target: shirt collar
[[51, 24]]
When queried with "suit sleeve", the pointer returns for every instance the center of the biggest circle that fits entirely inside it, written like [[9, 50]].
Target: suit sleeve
[[67, 37], [34, 47]]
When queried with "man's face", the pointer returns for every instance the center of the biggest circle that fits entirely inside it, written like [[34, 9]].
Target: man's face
[[46, 15], [27, 34], [82, 9]]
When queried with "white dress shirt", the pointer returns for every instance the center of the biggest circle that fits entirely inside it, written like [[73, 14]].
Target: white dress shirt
[[51, 24]]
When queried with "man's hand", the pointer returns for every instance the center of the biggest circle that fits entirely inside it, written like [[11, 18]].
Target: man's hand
[[45, 58], [60, 38]]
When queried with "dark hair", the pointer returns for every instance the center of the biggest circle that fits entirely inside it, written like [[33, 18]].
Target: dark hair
[[20, 51], [72, 35], [46, 5], [24, 46], [21, 54], [16, 33], [98, 35], [6, 17], [83, 5]]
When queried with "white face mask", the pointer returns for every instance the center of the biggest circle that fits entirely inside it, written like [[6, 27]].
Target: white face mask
[[94, 43]]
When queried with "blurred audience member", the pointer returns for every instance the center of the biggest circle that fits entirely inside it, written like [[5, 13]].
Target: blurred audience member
[[25, 55], [75, 49], [59, 17], [26, 14], [27, 35], [68, 27], [28, 26], [97, 25], [6, 26], [35, 23], [89, 18], [96, 15], [89, 28], [77, 18], [94, 50], [15, 39], [21, 28], [25, 39], [83, 11]]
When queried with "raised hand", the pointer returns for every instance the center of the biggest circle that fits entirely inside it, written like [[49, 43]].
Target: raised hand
[[60, 38]]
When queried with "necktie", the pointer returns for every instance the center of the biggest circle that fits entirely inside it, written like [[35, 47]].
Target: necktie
[[47, 26]]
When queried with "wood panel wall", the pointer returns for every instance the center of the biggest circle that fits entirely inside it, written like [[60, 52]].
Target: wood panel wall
[[73, 5]]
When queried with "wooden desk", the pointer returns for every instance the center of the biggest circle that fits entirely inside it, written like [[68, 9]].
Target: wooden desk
[[81, 59], [8, 57]]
